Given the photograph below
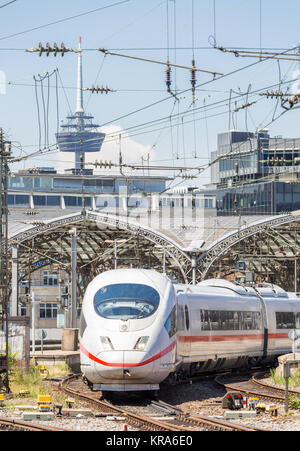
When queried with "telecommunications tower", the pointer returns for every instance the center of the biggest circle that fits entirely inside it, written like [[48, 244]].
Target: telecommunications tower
[[78, 136]]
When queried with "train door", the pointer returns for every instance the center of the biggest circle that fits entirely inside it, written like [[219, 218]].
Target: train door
[[183, 325], [187, 335]]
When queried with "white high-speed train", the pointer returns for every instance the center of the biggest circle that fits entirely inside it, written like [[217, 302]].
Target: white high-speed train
[[137, 328]]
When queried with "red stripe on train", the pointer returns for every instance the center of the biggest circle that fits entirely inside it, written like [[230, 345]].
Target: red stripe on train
[[210, 338], [125, 364], [193, 339]]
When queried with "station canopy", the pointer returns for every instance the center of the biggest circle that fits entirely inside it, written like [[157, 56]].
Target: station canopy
[[269, 246]]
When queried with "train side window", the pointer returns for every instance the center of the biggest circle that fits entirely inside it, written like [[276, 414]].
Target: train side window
[[204, 320], [170, 324], [214, 319], [257, 321], [247, 320], [285, 320], [187, 318], [180, 317], [229, 320]]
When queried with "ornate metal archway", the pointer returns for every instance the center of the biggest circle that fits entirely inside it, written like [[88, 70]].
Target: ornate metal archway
[[269, 247], [104, 242]]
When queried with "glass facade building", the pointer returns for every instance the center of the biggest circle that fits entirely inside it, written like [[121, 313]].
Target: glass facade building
[[255, 174], [39, 190]]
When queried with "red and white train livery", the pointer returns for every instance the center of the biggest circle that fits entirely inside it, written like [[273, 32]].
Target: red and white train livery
[[137, 328]]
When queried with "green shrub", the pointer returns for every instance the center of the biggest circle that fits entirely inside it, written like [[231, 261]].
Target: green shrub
[[294, 379], [294, 402]]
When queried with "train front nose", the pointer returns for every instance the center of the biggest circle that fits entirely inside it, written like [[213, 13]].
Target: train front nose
[[123, 366]]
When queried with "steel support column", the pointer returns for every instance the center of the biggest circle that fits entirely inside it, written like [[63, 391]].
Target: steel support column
[[14, 281], [4, 311], [74, 280]]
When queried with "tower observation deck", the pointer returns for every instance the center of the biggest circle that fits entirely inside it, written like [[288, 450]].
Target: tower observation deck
[[78, 135]]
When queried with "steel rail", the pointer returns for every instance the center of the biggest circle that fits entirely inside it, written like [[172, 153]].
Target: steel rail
[[151, 424], [219, 424], [236, 386], [9, 423], [140, 421], [279, 389]]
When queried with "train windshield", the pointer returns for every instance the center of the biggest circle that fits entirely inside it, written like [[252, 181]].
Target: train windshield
[[126, 301]]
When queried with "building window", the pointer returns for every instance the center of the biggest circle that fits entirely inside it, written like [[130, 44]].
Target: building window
[[18, 199], [53, 201], [36, 182], [73, 201], [44, 201], [23, 310], [39, 201], [48, 311], [50, 279]]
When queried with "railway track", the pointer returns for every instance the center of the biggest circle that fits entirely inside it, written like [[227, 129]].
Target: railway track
[[8, 424], [255, 387], [180, 421], [280, 391], [74, 385]]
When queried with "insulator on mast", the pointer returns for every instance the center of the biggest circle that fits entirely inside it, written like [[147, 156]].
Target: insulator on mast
[[48, 49], [98, 89], [55, 49], [41, 49], [193, 79], [168, 74], [169, 81]]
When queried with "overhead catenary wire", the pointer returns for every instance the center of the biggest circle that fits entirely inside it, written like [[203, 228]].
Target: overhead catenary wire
[[135, 166], [57, 101], [96, 80], [225, 75], [167, 32], [187, 90], [206, 131], [54, 147], [279, 84], [38, 111], [174, 117], [8, 3], [194, 111], [167, 63], [145, 49], [119, 90], [63, 20], [260, 24], [178, 115], [39, 80], [64, 90]]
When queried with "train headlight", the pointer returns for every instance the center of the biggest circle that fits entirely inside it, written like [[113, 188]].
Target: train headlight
[[106, 343], [141, 344]]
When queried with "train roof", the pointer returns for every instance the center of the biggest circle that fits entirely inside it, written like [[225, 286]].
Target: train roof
[[222, 283], [265, 290]]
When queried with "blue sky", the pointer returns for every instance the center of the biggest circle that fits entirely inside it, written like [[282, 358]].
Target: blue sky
[[148, 24]]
